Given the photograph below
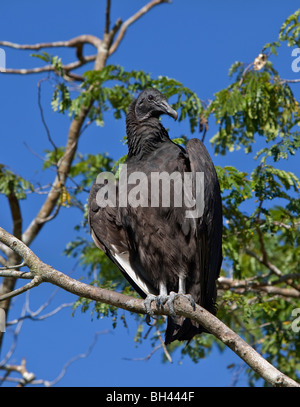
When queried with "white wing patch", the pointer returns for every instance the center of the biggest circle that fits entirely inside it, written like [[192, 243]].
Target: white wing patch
[[123, 260]]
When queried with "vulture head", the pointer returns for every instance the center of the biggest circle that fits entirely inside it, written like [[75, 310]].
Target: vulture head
[[151, 103]]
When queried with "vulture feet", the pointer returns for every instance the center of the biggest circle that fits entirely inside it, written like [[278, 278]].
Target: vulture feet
[[160, 301], [172, 298]]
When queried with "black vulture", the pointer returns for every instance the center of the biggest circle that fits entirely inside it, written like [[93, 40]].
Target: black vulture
[[159, 248]]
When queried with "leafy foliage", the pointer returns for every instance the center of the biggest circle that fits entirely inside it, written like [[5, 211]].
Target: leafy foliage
[[11, 183]]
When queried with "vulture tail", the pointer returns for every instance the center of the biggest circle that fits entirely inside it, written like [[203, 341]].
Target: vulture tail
[[181, 329]]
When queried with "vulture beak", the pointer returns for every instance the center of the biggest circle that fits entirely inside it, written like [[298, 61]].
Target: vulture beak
[[168, 109]]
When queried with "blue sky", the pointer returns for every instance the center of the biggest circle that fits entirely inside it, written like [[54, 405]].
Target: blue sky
[[192, 41]]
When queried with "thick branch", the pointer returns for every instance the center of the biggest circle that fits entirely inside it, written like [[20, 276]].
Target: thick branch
[[182, 307]]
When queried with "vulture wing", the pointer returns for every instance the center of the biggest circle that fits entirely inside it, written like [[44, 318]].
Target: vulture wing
[[206, 242], [209, 226], [109, 235]]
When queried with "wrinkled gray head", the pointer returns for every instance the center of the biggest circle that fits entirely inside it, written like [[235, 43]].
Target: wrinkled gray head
[[152, 103]]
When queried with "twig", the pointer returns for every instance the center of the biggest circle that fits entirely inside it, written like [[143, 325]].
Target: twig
[[16, 274], [131, 20], [166, 352], [50, 217], [43, 117], [74, 359], [33, 283], [248, 67], [147, 357], [50, 68], [73, 42], [16, 266], [282, 81], [27, 377], [269, 265]]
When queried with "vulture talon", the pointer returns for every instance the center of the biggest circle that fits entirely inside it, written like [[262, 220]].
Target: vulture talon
[[172, 298], [147, 303], [161, 300], [148, 320], [191, 300], [170, 303]]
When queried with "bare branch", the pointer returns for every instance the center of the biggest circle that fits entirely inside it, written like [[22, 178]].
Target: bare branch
[[269, 265], [27, 377], [73, 42], [75, 358], [282, 81], [162, 343], [50, 68], [16, 274], [50, 217], [147, 357], [131, 20], [2, 260], [77, 42], [107, 17], [43, 117], [33, 283], [16, 266]]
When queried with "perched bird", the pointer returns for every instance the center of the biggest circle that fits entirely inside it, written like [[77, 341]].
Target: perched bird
[[157, 245]]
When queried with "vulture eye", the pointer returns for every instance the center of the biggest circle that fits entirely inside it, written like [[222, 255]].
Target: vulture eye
[[150, 97]]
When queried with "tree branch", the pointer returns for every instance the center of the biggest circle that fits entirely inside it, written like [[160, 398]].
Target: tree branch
[[131, 20], [50, 68], [33, 283], [73, 42], [27, 377], [107, 17], [182, 307], [275, 270], [16, 274], [246, 285]]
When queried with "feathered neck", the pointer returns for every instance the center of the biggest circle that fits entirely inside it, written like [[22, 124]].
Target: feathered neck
[[143, 137]]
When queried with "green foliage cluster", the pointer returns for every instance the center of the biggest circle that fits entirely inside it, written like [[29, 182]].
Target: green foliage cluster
[[113, 88], [11, 183]]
